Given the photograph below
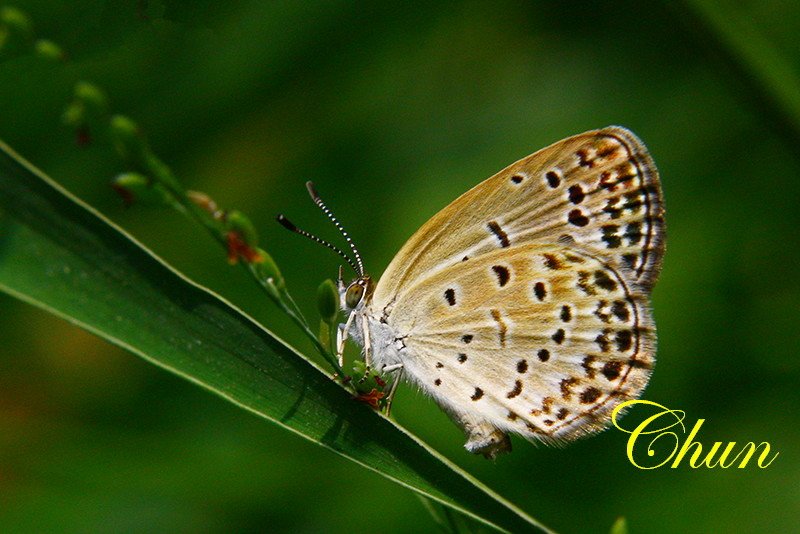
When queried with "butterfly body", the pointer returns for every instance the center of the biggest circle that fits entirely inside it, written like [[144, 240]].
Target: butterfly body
[[523, 306]]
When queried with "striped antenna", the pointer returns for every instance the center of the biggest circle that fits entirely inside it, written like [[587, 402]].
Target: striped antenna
[[318, 201], [286, 223]]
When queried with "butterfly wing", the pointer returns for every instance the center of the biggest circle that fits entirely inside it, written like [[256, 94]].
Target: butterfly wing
[[599, 189], [541, 340]]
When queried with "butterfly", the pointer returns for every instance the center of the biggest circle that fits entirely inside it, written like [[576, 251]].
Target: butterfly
[[523, 307]]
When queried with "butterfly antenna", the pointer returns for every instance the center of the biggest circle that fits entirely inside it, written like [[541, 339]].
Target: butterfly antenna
[[286, 223], [318, 201]]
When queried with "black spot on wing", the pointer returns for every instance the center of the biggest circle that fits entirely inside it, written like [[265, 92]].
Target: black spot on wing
[[589, 395], [601, 279], [624, 340], [553, 179], [539, 290], [577, 218], [612, 369], [450, 296], [552, 262], [620, 310], [499, 233], [516, 391], [559, 336], [576, 194], [503, 274]]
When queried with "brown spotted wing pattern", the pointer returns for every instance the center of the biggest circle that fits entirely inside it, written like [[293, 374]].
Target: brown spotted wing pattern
[[541, 340], [523, 306]]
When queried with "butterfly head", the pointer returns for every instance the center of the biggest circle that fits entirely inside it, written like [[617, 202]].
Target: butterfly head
[[356, 294]]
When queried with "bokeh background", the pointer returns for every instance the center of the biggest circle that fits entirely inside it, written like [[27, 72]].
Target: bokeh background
[[394, 109]]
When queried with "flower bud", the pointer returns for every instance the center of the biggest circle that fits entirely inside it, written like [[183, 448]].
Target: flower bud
[[16, 20], [134, 187], [238, 247], [236, 220], [16, 31], [92, 97], [268, 269], [205, 203], [620, 526], [128, 140], [328, 301], [49, 50], [74, 115]]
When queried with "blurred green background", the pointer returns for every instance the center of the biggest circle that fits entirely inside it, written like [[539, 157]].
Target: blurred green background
[[394, 110]]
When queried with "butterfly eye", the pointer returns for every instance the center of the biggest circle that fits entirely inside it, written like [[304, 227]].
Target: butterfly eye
[[354, 295]]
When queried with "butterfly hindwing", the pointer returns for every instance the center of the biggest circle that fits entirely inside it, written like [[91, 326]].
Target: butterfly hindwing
[[599, 190], [542, 340], [523, 306]]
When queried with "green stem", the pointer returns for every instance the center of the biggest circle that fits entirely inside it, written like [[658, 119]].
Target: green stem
[[332, 337], [144, 158], [288, 297], [162, 174], [275, 294]]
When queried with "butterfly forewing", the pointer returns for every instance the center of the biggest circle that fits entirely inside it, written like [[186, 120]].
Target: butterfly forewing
[[599, 190], [543, 340]]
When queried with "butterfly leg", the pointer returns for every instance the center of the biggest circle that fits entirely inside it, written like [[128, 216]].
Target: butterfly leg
[[341, 338], [390, 397], [367, 342]]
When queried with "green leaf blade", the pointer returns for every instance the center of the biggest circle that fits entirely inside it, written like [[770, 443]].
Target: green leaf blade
[[60, 255]]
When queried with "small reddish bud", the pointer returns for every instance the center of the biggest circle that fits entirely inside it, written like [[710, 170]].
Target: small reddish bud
[[239, 222], [373, 398], [238, 248]]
